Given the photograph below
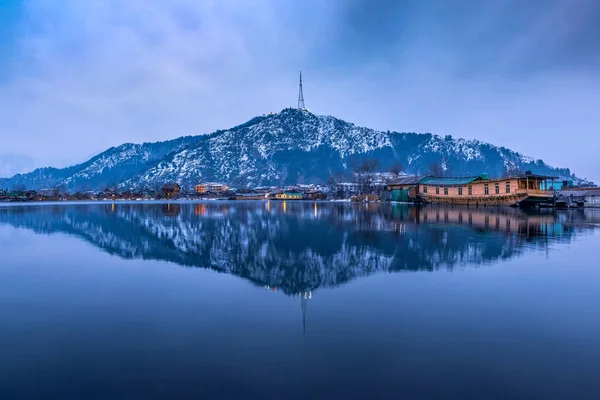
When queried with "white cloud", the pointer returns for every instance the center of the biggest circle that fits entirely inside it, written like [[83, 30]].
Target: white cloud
[[99, 73]]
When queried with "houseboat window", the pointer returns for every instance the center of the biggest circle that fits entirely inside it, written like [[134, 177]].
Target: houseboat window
[[470, 190], [486, 189], [507, 187], [425, 189], [437, 190], [445, 191], [497, 187], [460, 191]]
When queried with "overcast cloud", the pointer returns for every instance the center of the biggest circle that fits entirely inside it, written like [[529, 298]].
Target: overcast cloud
[[77, 77]]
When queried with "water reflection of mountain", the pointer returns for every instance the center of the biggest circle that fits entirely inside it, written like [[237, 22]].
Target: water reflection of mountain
[[304, 246]]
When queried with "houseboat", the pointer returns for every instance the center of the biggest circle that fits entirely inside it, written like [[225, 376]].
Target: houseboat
[[520, 190]]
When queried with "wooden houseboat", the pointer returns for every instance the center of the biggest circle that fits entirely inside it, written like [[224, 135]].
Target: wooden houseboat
[[519, 190]]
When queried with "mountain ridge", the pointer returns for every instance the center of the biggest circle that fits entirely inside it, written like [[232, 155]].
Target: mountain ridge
[[292, 146]]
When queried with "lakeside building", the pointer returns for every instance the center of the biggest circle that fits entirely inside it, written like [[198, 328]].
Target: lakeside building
[[211, 188], [314, 195], [590, 197], [250, 196], [289, 196], [265, 189], [171, 190], [519, 190]]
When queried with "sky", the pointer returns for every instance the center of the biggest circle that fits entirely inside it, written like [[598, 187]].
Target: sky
[[77, 77]]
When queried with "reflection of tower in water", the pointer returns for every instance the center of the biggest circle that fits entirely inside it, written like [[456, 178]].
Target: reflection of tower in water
[[303, 300], [304, 297]]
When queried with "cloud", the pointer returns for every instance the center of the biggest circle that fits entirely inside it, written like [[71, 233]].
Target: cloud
[[11, 164], [80, 76], [99, 73]]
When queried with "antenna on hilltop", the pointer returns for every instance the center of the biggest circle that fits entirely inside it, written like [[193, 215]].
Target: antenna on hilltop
[[301, 95]]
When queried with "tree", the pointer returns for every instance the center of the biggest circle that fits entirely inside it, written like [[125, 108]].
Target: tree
[[435, 169], [364, 172], [396, 169], [114, 187], [333, 183], [157, 187], [61, 190]]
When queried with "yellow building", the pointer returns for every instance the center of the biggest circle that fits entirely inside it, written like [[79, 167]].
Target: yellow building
[[211, 188], [288, 196]]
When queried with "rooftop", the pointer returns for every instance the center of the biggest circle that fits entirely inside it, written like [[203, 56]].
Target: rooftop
[[407, 180], [581, 192], [435, 180], [535, 176]]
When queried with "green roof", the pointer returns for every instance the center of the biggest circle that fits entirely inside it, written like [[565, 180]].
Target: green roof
[[431, 180]]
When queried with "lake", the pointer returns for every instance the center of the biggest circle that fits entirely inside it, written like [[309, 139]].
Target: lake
[[298, 300]]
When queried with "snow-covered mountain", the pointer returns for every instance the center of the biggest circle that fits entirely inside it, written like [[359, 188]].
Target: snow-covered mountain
[[293, 146]]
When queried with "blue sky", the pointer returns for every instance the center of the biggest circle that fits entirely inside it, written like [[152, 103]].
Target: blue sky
[[77, 77]]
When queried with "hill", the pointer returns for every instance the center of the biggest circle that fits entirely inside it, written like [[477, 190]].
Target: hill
[[293, 146]]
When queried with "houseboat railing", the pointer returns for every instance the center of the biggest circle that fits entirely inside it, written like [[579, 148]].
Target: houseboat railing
[[548, 193]]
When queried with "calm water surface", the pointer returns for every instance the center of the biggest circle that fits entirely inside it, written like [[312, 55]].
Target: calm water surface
[[297, 300]]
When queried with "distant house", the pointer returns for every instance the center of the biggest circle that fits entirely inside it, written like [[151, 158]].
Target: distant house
[[31, 195], [265, 189], [590, 196], [404, 189], [347, 187], [171, 190], [211, 188], [314, 195], [249, 196]]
